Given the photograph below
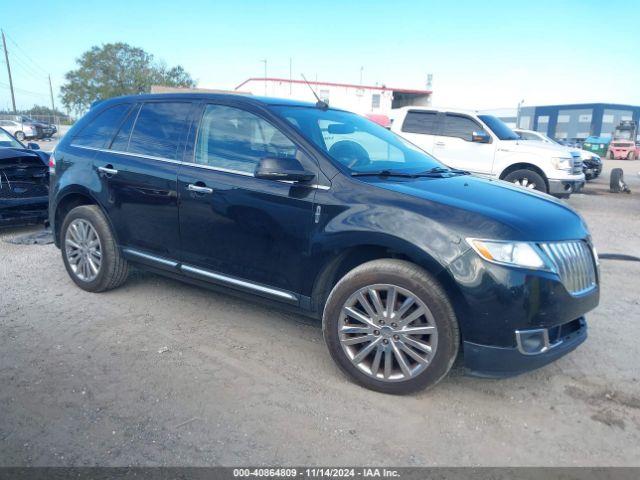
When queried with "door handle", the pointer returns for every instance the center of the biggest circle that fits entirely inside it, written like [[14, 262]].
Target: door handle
[[199, 188], [108, 170], [440, 144]]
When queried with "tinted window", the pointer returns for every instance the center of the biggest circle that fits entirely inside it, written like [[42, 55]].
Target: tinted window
[[497, 126], [421, 122], [460, 126], [121, 142], [99, 131], [233, 139], [159, 128]]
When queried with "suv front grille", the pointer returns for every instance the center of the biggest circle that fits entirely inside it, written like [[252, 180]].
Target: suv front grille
[[574, 263]]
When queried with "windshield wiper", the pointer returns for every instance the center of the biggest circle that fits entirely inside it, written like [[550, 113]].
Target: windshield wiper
[[383, 173], [441, 170], [432, 172]]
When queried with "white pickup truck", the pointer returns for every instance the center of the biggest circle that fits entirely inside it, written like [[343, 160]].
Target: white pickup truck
[[486, 146]]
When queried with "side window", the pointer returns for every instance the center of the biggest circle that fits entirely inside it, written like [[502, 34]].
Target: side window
[[99, 131], [121, 142], [460, 126], [234, 139], [159, 129], [421, 122]]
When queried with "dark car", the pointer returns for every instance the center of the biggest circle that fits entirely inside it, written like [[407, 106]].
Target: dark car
[[44, 130], [24, 182], [591, 166], [406, 261]]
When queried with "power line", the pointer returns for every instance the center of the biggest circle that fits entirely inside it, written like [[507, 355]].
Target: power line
[[33, 62]]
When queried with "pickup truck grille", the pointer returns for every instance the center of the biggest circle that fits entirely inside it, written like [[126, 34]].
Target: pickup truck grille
[[574, 263], [577, 163]]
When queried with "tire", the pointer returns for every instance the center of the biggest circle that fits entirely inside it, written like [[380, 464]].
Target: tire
[[616, 180], [527, 179], [20, 136], [408, 280], [631, 156], [610, 155], [112, 268]]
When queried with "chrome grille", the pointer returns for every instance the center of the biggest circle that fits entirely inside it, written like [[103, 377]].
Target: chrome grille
[[577, 163], [574, 263]]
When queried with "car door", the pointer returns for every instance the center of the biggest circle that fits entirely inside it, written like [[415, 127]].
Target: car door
[[455, 148], [236, 229], [420, 128], [138, 172]]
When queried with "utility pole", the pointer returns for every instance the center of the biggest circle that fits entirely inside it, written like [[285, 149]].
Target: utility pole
[[290, 75], [361, 70], [518, 113], [6, 57], [53, 105], [265, 76]]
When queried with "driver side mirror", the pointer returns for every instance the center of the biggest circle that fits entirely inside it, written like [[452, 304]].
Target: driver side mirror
[[480, 137], [33, 146], [282, 168]]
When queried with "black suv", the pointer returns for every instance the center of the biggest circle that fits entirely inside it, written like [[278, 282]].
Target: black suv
[[406, 261]]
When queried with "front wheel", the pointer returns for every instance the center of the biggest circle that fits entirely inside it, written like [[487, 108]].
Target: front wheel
[[610, 155], [20, 136], [390, 326], [89, 251], [631, 156], [527, 179]]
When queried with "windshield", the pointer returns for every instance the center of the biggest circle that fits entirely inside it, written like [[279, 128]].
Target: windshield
[[498, 127], [357, 143], [7, 141]]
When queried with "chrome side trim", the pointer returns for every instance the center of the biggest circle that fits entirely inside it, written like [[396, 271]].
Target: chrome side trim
[[189, 164], [218, 277], [153, 258]]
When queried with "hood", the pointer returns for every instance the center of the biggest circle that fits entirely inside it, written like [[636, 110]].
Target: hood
[[487, 208], [24, 153], [535, 147]]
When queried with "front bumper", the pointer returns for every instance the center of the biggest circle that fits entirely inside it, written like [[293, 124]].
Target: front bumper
[[499, 362], [18, 211], [565, 187]]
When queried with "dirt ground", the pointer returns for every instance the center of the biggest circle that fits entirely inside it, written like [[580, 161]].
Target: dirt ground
[[163, 373]]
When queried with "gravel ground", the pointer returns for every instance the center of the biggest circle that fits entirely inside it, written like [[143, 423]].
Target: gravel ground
[[162, 373]]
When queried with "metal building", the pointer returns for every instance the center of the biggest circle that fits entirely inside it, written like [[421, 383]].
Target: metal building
[[576, 121]]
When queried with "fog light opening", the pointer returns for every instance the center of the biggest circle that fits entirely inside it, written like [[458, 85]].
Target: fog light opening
[[532, 342]]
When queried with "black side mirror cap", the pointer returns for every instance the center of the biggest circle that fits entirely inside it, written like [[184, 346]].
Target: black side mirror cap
[[33, 146], [282, 168]]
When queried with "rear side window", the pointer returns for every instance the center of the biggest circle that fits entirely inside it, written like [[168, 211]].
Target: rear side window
[[99, 131], [421, 122], [121, 142], [234, 139], [159, 129], [460, 126]]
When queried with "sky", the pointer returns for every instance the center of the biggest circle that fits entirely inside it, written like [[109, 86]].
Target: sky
[[482, 55]]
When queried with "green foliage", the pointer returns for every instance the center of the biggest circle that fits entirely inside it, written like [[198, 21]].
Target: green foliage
[[117, 69]]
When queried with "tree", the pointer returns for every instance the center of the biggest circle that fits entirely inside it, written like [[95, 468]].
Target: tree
[[117, 69]]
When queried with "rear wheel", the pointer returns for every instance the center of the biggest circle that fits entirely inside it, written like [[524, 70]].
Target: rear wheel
[[389, 326], [89, 251], [527, 179]]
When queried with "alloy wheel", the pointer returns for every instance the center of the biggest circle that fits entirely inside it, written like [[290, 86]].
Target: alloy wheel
[[83, 250], [524, 182], [387, 332]]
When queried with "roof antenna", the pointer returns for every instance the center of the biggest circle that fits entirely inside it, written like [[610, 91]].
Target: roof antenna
[[319, 104]]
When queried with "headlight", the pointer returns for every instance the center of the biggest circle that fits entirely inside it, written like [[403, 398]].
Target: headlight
[[520, 254], [561, 163]]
